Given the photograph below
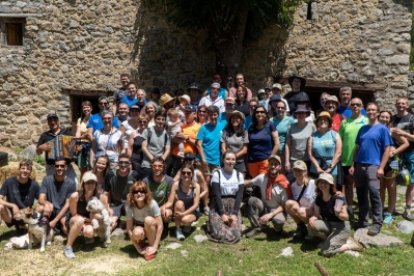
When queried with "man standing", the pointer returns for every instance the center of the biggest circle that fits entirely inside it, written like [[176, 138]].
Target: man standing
[[117, 185], [44, 147], [345, 95], [348, 131], [403, 124], [273, 187], [54, 195], [297, 94], [213, 98], [17, 193], [131, 98], [121, 92], [123, 112], [95, 120], [371, 154]]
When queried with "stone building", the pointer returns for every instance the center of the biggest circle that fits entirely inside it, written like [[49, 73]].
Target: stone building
[[56, 53]]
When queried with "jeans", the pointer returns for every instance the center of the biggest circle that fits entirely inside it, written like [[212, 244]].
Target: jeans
[[367, 183]]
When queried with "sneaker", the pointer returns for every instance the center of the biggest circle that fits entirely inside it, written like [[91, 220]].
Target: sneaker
[[252, 232], [301, 231], [68, 251], [179, 234], [374, 230], [388, 218], [407, 215], [206, 210]]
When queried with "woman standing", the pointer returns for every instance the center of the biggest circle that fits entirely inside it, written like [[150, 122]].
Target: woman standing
[[282, 123], [83, 141], [107, 141], [242, 104], [324, 147], [224, 224], [150, 110], [143, 220], [184, 197], [263, 142], [130, 125], [202, 114], [135, 145], [80, 219], [330, 220], [235, 138]]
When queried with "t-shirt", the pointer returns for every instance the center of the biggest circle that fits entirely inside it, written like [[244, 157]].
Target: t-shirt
[[279, 193], [48, 136], [160, 191], [190, 131], [138, 215], [308, 196], [347, 112], [235, 142], [119, 94], [156, 143], [323, 148], [210, 136], [405, 123], [96, 122], [207, 101], [107, 144], [298, 140], [118, 186], [294, 98], [57, 192], [348, 132], [282, 126], [260, 143], [233, 92], [336, 122], [242, 107], [372, 141], [23, 195], [229, 182], [129, 101]]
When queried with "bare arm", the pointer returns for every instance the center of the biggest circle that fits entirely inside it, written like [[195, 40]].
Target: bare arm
[[287, 153], [203, 184], [166, 152], [338, 151], [201, 151], [276, 142], [312, 158], [73, 204], [171, 198], [145, 150]]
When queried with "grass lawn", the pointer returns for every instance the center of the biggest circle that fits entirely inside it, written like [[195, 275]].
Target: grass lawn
[[257, 256]]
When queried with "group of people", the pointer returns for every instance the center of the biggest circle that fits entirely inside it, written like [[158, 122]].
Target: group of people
[[161, 158]]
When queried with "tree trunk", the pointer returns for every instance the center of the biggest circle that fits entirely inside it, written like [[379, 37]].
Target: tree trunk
[[229, 42]]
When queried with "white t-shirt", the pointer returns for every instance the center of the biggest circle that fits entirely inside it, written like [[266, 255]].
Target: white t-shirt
[[207, 101], [138, 215], [229, 183], [308, 196], [279, 194]]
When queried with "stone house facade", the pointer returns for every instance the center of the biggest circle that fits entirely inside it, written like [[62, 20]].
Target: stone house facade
[[56, 53]]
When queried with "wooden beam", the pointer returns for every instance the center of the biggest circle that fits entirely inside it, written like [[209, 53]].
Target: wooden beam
[[355, 86], [20, 15]]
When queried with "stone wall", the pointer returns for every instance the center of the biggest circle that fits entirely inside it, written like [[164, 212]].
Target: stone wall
[[80, 45]]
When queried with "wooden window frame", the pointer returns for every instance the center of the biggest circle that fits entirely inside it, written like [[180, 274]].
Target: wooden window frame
[[6, 26]]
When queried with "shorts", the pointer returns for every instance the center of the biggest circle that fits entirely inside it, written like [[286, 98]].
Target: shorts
[[409, 163]]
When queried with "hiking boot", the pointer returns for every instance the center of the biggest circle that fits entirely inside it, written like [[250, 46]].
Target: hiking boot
[[407, 215], [253, 232], [374, 230], [179, 234], [301, 231], [68, 251]]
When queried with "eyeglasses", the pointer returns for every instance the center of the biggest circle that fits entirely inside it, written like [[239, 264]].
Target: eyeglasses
[[124, 163], [60, 166], [186, 172], [157, 166], [355, 104], [139, 192], [103, 103]]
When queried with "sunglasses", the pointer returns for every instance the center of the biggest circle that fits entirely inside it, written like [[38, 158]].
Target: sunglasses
[[60, 166], [355, 104], [186, 173], [139, 192]]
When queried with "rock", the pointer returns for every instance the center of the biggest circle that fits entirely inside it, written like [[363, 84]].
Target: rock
[[380, 240], [353, 253], [12, 169], [184, 253], [118, 232], [173, 245], [287, 252], [405, 226], [200, 238], [28, 153]]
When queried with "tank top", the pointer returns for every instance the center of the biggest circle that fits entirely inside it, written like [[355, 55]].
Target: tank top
[[187, 198]]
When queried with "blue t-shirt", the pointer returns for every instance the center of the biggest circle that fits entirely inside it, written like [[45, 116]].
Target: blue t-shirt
[[210, 135], [95, 122], [372, 141], [282, 126], [347, 112], [130, 102], [323, 148], [248, 122], [260, 143]]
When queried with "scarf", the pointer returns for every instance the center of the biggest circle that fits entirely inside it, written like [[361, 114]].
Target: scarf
[[278, 179]]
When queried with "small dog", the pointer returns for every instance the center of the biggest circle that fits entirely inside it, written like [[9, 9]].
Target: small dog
[[38, 229], [100, 219]]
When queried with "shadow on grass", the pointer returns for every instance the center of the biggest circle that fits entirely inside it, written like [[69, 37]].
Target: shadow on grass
[[130, 250], [9, 234]]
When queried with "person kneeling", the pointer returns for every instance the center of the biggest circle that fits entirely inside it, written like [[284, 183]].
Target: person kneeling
[[143, 220], [330, 220]]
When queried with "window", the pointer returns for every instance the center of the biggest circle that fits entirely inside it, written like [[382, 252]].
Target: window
[[12, 31]]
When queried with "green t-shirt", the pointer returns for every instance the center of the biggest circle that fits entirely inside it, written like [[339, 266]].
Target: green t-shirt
[[160, 191], [348, 131]]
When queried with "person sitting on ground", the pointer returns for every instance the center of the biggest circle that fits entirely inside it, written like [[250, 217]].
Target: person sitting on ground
[[274, 188], [80, 221], [100, 169], [184, 198], [16, 193], [117, 185], [300, 207], [54, 196], [143, 220], [330, 220], [224, 223]]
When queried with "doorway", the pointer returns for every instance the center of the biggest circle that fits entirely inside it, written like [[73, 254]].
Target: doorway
[[77, 97]]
